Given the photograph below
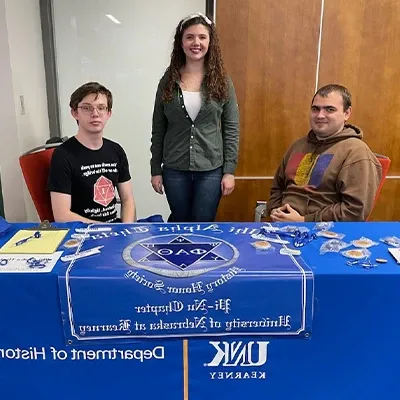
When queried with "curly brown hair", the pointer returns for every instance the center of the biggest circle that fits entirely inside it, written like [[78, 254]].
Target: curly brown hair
[[215, 78]]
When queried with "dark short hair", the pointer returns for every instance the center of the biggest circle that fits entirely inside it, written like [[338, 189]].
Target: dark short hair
[[324, 91], [90, 88]]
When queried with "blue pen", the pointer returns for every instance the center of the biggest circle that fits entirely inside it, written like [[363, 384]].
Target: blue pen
[[36, 235]]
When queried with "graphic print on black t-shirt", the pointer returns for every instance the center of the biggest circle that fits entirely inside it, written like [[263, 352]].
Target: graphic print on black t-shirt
[[103, 191], [90, 177]]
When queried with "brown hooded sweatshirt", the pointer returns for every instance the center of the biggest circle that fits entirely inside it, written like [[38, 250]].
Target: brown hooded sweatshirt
[[335, 179]]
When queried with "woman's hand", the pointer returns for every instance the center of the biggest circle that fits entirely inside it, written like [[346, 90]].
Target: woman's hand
[[157, 183], [227, 184]]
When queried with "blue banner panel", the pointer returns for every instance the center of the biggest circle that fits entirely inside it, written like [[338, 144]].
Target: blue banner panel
[[184, 280]]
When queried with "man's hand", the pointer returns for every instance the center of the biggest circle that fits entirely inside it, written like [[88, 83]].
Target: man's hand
[[157, 183], [227, 184], [285, 214]]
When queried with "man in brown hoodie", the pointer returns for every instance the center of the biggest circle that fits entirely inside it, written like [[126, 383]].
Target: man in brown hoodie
[[330, 174]]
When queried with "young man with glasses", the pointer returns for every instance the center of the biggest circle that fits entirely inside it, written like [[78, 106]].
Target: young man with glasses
[[87, 168]]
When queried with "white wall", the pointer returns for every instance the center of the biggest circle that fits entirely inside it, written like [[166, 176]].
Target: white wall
[[129, 58], [23, 74], [9, 148]]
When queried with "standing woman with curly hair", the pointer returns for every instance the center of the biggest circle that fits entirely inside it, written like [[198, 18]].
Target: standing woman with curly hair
[[195, 133]]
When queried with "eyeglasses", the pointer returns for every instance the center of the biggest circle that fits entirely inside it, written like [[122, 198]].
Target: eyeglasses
[[101, 109]]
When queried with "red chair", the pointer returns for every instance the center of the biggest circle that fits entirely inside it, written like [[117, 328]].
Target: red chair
[[35, 166], [385, 163]]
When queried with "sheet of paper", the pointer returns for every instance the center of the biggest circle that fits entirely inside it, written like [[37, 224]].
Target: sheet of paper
[[46, 244], [28, 263], [395, 252]]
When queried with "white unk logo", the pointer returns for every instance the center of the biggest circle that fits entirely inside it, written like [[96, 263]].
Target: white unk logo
[[240, 354]]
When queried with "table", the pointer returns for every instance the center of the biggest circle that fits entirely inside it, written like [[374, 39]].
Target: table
[[346, 348]]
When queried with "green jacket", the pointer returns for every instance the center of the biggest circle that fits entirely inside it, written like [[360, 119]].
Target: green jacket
[[207, 143]]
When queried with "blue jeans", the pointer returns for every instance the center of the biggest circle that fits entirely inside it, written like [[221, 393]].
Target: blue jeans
[[192, 196]]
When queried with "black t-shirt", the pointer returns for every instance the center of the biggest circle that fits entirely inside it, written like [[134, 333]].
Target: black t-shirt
[[90, 177]]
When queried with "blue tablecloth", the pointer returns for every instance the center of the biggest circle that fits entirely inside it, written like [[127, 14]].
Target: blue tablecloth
[[351, 353]]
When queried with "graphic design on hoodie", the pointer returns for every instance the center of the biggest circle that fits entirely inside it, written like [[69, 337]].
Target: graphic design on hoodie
[[307, 169]]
